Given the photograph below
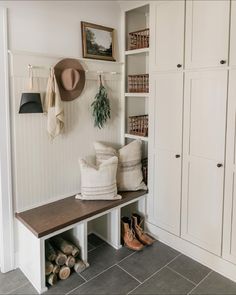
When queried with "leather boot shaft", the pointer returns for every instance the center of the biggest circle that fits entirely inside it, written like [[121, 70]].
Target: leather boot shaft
[[139, 232], [128, 235]]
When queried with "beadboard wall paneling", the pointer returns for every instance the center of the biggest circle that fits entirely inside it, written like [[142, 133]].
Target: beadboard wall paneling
[[44, 169]]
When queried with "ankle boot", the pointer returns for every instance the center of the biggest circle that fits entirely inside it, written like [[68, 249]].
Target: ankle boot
[[140, 234], [128, 235]]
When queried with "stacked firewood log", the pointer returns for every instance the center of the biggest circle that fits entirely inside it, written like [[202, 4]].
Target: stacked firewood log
[[62, 257]]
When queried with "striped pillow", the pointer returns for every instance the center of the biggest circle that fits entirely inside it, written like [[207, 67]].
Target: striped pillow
[[99, 183], [129, 174]]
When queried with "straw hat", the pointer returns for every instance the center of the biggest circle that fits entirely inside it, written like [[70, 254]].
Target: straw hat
[[70, 77]]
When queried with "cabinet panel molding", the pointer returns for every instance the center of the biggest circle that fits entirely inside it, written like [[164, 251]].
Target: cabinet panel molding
[[233, 34], [167, 34], [203, 158], [207, 33], [166, 176], [229, 237]]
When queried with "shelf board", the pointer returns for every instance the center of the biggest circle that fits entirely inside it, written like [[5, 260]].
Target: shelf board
[[132, 136], [137, 51], [136, 94]]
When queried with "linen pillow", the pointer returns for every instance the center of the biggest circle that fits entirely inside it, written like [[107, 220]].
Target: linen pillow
[[99, 183], [129, 174]]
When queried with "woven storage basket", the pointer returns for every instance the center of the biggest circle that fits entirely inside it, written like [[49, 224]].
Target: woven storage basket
[[138, 83], [138, 125], [139, 39]]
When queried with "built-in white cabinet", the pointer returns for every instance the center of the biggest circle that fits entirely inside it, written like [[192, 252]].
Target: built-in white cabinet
[[168, 104], [203, 158], [167, 34], [233, 34], [229, 241], [192, 152], [207, 33]]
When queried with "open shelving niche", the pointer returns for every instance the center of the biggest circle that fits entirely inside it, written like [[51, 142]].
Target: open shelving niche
[[136, 61]]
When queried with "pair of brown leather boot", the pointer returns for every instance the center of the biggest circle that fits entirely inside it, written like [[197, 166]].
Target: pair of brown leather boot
[[132, 233]]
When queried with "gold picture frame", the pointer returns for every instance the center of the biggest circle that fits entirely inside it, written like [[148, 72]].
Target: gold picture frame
[[97, 41]]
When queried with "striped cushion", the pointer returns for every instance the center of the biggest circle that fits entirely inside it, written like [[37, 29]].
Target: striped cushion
[[129, 174], [99, 183]]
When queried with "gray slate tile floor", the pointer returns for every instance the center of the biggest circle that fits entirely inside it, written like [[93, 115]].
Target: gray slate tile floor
[[158, 269]]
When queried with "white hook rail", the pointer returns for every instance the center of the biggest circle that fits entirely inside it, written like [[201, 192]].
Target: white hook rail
[[86, 71], [102, 72]]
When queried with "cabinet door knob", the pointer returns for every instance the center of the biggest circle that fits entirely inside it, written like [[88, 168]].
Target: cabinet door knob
[[177, 156], [222, 62], [179, 66], [219, 165]]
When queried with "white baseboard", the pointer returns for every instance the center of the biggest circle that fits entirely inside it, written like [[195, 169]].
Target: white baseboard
[[218, 264], [16, 262]]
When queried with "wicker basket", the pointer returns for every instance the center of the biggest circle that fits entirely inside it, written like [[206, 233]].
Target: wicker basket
[[138, 83], [139, 39], [138, 125]]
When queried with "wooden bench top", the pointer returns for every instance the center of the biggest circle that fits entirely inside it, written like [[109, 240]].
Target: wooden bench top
[[49, 218]]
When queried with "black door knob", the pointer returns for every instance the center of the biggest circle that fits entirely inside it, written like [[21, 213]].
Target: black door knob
[[177, 156], [179, 66], [223, 62], [219, 165]]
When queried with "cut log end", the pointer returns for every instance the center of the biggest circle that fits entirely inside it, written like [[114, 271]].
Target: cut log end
[[79, 266], [52, 279], [70, 262], [64, 272], [56, 269], [61, 258]]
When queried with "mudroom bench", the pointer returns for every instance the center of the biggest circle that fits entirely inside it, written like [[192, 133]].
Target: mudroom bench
[[73, 219]]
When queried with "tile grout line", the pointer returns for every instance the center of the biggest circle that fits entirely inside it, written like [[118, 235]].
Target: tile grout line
[[86, 281], [89, 280], [83, 277], [129, 274], [13, 290], [181, 275], [96, 247], [131, 254], [190, 292], [155, 273]]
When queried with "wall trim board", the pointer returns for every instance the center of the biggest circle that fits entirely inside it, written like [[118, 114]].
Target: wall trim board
[[27, 53], [204, 257], [6, 210], [41, 63]]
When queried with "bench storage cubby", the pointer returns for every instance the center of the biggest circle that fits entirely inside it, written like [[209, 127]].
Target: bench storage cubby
[[70, 218]]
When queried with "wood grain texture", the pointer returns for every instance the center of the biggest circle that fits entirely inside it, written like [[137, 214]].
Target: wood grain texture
[[46, 219]]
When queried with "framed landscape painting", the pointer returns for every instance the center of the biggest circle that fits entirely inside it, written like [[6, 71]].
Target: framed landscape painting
[[98, 41]]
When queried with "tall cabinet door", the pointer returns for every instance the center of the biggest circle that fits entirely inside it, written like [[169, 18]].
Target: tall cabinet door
[[168, 92], [207, 33], [167, 31], [203, 158], [229, 241]]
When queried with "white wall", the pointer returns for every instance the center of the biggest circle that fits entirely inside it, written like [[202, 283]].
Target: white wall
[[45, 170], [53, 27]]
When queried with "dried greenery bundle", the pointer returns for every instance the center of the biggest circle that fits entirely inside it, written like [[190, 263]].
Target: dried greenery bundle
[[101, 107]]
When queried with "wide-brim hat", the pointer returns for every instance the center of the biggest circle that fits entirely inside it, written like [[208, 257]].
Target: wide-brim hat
[[70, 76]]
